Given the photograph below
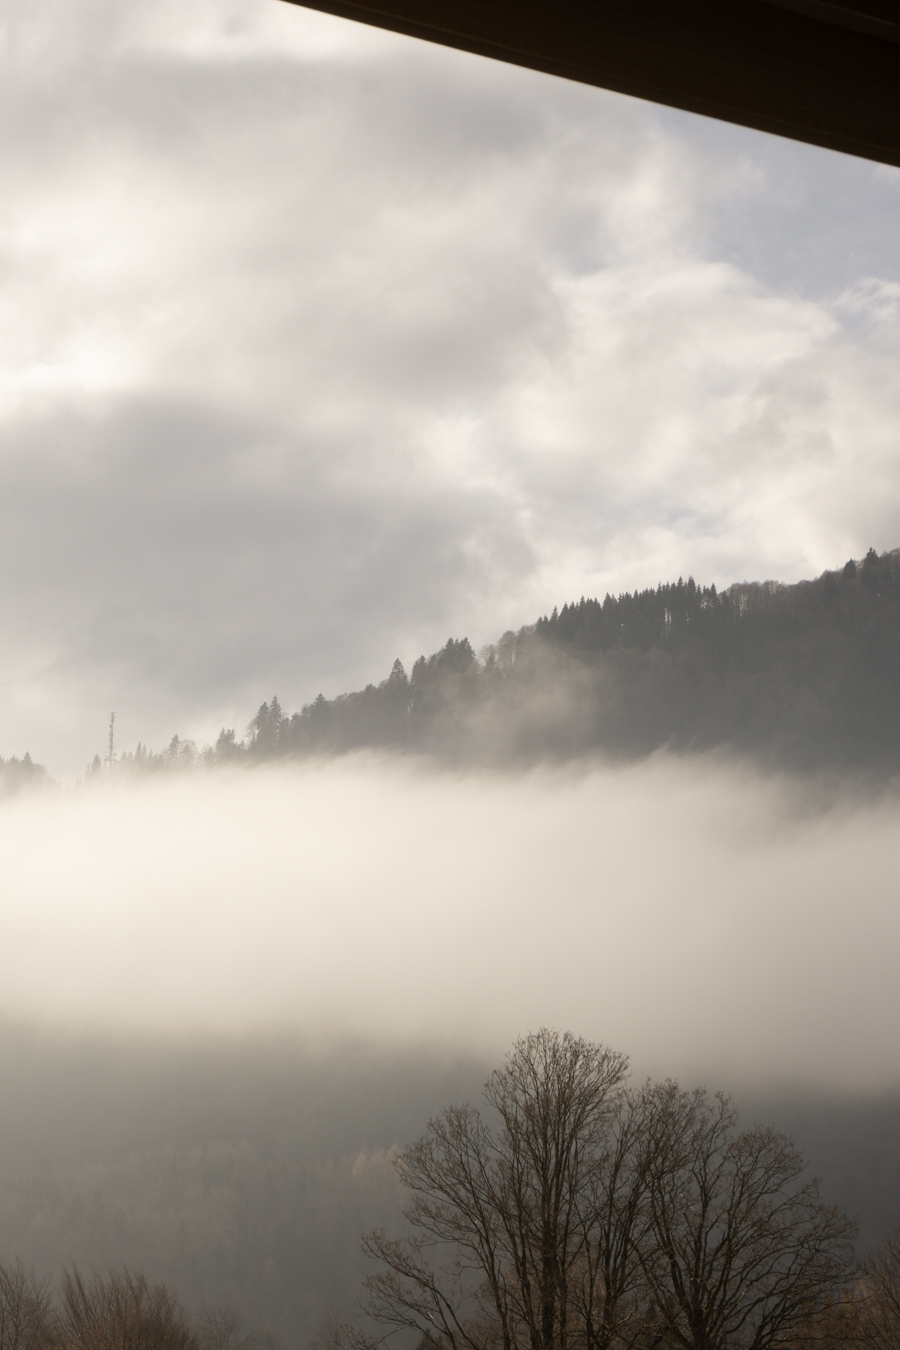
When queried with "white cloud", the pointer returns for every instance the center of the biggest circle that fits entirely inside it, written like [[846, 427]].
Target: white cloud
[[318, 345], [710, 922]]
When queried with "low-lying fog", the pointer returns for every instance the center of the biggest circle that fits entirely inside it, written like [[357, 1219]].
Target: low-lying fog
[[228, 998], [712, 923]]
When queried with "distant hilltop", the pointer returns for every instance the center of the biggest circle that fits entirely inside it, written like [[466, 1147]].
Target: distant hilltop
[[797, 676]]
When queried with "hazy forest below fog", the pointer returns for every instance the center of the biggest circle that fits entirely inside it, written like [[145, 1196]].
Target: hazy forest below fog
[[798, 677], [243, 1174]]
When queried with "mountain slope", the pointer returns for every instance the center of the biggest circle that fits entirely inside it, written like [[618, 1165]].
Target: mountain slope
[[798, 676], [803, 676]]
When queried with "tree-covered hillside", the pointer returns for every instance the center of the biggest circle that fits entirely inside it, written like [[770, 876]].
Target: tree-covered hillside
[[801, 676], [17, 775]]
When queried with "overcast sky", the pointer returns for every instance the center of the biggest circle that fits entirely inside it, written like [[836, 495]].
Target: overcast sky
[[320, 345]]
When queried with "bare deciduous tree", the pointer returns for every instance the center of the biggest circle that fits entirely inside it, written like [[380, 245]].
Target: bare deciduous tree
[[534, 1217], [743, 1254], [880, 1305], [121, 1311], [26, 1314], [587, 1217], [221, 1327]]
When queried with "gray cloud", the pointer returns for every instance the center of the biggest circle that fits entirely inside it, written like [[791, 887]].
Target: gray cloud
[[208, 555], [321, 345]]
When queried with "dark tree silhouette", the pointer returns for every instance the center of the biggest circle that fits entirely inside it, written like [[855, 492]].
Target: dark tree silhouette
[[742, 1252], [579, 1216]]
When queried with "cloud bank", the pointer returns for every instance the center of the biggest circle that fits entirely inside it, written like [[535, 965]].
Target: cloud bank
[[713, 924]]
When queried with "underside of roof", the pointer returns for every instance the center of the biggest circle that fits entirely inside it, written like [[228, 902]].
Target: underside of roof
[[822, 71]]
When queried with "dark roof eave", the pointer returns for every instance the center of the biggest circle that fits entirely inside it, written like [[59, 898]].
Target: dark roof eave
[[816, 71]]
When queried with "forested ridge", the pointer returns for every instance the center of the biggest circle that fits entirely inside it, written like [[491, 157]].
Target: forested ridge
[[799, 676]]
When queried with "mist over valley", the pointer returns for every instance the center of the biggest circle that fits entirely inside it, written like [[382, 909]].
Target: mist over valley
[[236, 993], [247, 975], [472, 412]]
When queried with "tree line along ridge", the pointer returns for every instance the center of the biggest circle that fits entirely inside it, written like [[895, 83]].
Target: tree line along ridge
[[797, 676]]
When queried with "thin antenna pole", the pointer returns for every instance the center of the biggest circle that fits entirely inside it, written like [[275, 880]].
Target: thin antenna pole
[[110, 756]]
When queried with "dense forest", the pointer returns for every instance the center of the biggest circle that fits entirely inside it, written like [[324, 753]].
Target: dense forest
[[799, 676]]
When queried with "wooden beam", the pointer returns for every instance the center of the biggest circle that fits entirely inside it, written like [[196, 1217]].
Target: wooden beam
[[822, 71]]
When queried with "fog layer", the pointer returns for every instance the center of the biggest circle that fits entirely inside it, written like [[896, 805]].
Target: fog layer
[[707, 921]]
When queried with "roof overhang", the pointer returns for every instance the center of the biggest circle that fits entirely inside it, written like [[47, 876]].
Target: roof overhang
[[822, 71]]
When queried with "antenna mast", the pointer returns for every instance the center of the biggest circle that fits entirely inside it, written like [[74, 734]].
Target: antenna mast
[[110, 755]]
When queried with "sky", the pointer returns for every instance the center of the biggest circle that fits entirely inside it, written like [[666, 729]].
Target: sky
[[319, 345]]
